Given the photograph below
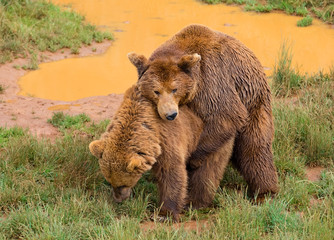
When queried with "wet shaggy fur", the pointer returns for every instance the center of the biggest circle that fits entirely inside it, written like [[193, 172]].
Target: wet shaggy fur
[[138, 140], [223, 82]]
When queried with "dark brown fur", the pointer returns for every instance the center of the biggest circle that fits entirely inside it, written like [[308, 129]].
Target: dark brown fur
[[224, 84], [138, 140]]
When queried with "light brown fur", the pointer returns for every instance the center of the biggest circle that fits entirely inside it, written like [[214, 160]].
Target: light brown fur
[[223, 82], [138, 140]]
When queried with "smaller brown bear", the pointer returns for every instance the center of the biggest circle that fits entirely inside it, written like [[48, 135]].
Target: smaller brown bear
[[138, 140]]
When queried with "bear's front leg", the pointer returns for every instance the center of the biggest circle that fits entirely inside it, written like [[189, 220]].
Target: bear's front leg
[[172, 185], [214, 136], [204, 180]]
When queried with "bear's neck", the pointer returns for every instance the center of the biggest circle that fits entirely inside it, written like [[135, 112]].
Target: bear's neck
[[136, 117]]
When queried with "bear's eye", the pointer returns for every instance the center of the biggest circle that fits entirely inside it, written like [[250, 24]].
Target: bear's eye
[[141, 153], [157, 93], [174, 90]]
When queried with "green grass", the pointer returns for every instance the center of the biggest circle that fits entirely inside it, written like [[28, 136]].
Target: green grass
[[303, 113], [28, 27], [63, 121], [55, 189], [305, 21], [257, 7], [8, 134], [2, 89], [286, 79], [77, 125], [326, 14], [321, 9], [212, 1]]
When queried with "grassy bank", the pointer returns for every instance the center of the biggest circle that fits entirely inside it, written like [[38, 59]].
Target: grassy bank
[[321, 9], [56, 191], [28, 27], [303, 110]]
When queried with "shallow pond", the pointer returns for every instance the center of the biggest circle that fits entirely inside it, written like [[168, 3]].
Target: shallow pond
[[141, 26]]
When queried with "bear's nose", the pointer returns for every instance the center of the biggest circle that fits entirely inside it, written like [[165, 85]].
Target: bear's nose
[[121, 193], [171, 116]]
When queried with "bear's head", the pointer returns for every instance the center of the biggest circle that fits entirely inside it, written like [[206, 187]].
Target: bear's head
[[167, 81], [124, 157]]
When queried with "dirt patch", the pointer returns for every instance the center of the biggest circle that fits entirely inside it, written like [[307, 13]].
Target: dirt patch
[[315, 201], [32, 113], [313, 174]]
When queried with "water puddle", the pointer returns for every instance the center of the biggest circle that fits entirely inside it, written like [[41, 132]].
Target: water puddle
[[141, 26]]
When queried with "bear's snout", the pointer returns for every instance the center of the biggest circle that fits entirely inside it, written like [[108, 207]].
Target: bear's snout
[[171, 116], [121, 193], [167, 106], [168, 111]]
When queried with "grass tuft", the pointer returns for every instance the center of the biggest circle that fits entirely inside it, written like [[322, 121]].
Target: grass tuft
[[301, 11], [77, 125], [258, 8], [8, 134], [304, 22], [62, 121], [286, 79], [212, 1], [326, 13], [303, 117], [33, 62]]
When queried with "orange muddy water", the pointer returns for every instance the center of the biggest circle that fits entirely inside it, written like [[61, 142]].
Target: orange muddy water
[[141, 26]]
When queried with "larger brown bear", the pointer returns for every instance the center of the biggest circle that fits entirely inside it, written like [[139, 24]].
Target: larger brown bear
[[224, 84]]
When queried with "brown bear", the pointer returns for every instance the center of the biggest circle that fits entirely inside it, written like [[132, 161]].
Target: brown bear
[[138, 140], [223, 82]]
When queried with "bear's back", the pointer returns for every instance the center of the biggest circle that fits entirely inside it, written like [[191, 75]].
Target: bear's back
[[225, 63]]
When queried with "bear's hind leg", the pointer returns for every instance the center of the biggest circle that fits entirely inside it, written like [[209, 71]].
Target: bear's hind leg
[[204, 180], [253, 156]]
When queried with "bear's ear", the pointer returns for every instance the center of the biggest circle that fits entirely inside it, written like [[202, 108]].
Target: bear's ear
[[97, 148], [150, 160], [139, 61], [188, 61], [134, 164]]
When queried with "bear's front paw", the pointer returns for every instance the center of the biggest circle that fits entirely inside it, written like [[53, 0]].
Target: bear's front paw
[[166, 215], [261, 198], [164, 219]]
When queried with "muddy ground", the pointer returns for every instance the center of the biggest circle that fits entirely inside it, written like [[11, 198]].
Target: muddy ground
[[33, 113]]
